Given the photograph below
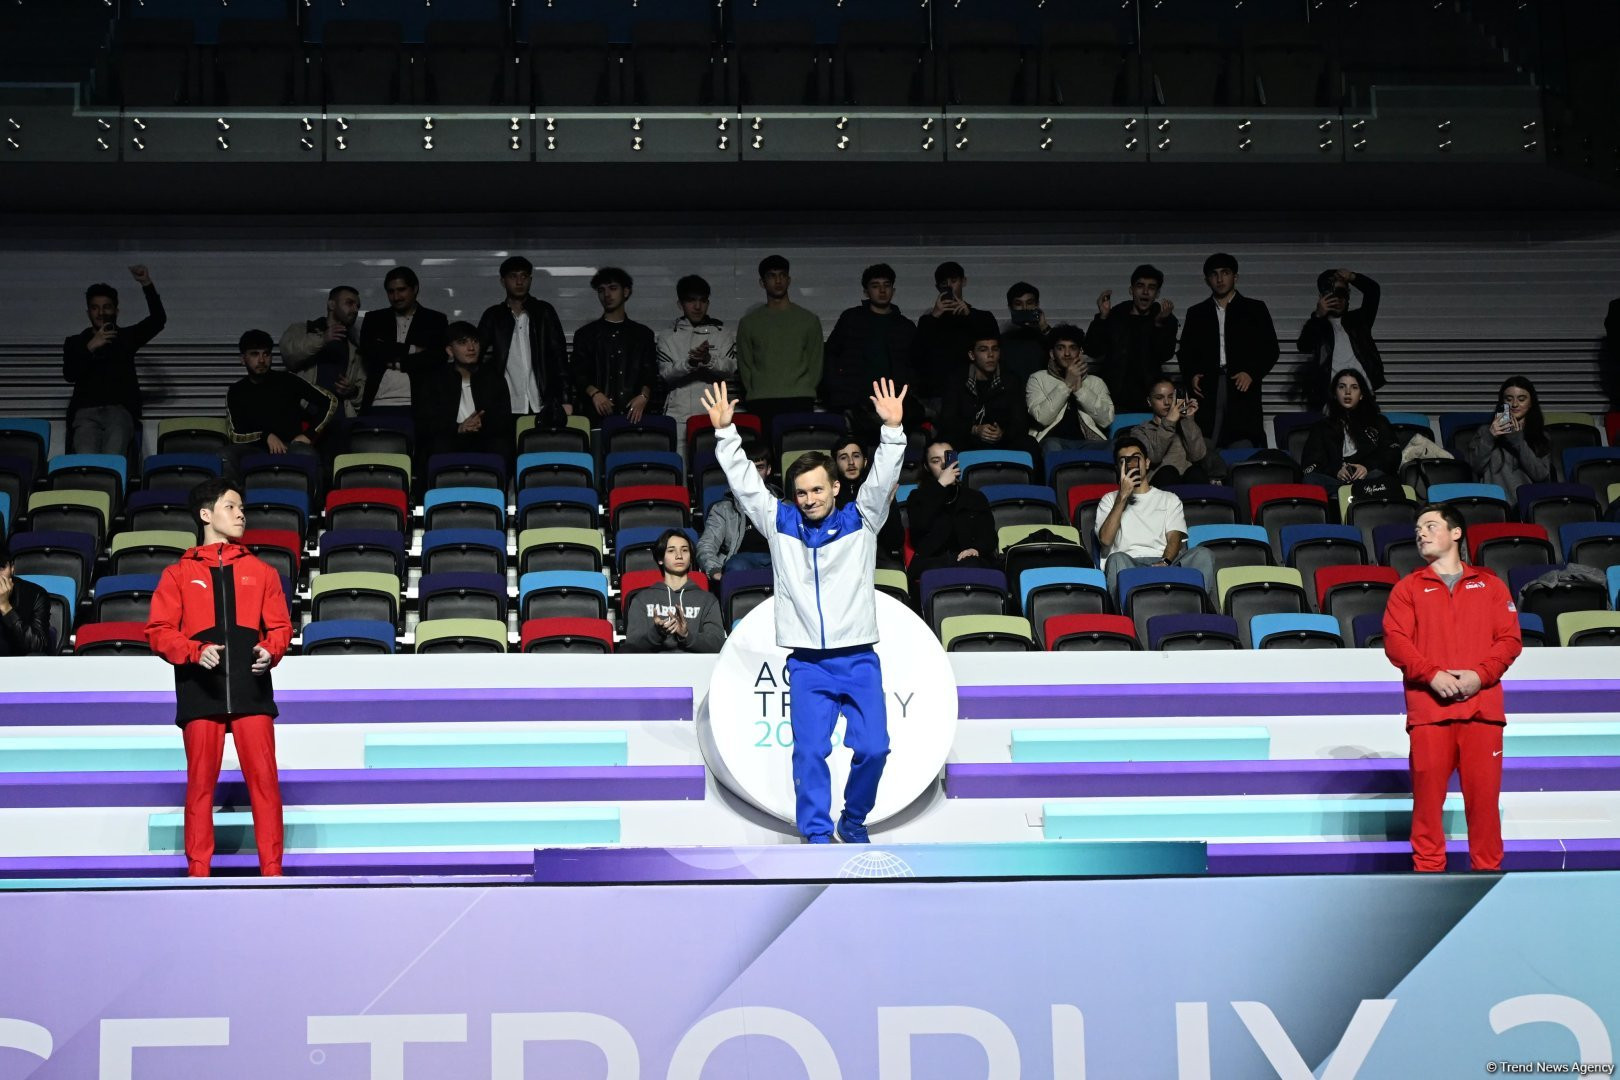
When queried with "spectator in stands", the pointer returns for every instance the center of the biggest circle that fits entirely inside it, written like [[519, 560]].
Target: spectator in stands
[[1070, 407], [675, 616], [730, 541], [870, 341], [1354, 441], [522, 338], [1023, 336], [25, 612], [1175, 444], [1452, 651], [852, 464], [951, 523], [944, 334], [398, 345], [1336, 338], [615, 359], [694, 353], [272, 412], [779, 349], [1227, 349], [220, 617], [1514, 449], [1141, 525], [467, 409], [1131, 343], [100, 363], [982, 410], [326, 351]]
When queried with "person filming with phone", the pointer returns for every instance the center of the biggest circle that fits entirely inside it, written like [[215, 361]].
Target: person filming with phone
[[1514, 449], [1141, 525], [951, 524], [1174, 441]]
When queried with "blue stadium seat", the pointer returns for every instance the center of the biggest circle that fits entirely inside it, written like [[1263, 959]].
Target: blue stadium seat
[[1205, 633], [347, 637], [1048, 591], [1455, 424], [465, 508], [1478, 504], [1124, 421], [26, 438], [950, 591], [1021, 504], [636, 468], [123, 597], [1591, 543], [1148, 592], [478, 551], [375, 551], [635, 546], [987, 468], [467, 470], [558, 508], [1285, 630], [547, 594], [275, 508], [51, 553], [1552, 506], [62, 593], [180, 472], [555, 470], [91, 472], [1598, 467]]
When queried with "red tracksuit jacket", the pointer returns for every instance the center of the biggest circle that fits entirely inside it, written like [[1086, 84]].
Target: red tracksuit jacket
[[1428, 629], [219, 595]]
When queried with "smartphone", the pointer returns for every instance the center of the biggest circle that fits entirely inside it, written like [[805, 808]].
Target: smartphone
[[950, 458], [1026, 318], [1507, 413], [946, 292]]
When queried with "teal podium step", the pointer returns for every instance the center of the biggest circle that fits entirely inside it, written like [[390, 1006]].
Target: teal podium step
[[1562, 739], [92, 753], [1381, 818], [424, 827], [1141, 744], [495, 749]]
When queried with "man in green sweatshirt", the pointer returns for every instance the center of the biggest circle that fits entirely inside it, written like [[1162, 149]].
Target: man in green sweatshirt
[[779, 349]]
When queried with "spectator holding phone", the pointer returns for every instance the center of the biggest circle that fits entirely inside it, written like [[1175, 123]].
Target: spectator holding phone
[[1130, 344], [951, 524], [1336, 337], [945, 333], [1174, 442], [1141, 525], [100, 363], [1514, 450], [1354, 441], [1023, 336]]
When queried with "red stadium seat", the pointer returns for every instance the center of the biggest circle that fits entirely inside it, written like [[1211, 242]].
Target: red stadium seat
[[567, 636]]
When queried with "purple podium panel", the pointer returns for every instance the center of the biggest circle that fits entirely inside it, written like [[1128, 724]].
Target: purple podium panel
[[337, 787], [360, 865], [1395, 856]]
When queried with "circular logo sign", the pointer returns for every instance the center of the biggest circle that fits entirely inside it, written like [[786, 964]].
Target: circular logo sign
[[746, 733]]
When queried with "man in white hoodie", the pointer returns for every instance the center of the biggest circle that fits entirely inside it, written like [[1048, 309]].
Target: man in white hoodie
[[694, 354], [1071, 408], [824, 557]]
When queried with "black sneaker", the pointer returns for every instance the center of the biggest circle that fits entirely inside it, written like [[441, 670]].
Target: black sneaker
[[851, 833]]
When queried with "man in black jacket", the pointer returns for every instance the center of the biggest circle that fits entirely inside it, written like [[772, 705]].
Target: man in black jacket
[[1228, 347], [522, 339], [870, 341], [25, 612], [981, 409], [272, 412], [951, 523], [100, 363], [467, 409], [615, 358], [1131, 343], [945, 333], [1337, 338], [398, 345]]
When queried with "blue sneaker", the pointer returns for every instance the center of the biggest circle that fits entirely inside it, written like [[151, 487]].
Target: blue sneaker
[[820, 838], [851, 833]]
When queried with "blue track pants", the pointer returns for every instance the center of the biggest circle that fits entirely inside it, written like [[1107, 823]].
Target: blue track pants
[[824, 683]]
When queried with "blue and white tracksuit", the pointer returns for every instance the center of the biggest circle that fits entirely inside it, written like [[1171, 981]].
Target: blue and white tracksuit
[[826, 613]]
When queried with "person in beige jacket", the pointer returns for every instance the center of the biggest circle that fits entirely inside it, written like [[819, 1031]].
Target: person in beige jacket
[[325, 352], [1070, 410]]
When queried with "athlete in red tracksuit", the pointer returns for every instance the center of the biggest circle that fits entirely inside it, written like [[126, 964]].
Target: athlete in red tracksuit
[[1452, 629], [220, 617]]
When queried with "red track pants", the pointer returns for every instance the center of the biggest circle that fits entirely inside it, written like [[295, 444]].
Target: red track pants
[[256, 749], [1472, 748]]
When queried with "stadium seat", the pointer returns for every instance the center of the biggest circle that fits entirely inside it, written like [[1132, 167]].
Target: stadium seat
[[1066, 469], [1233, 545], [893, 583], [106, 473], [553, 469], [1501, 547], [27, 440], [16, 483], [87, 512], [62, 596], [1396, 546], [1046, 591], [456, 595], [1479, 504], [1598, 467], [5, 514], [1532, 631], [986, 633], [989, 468], [1369, 630], [193, 435], [148, 552], [1257, 469], [1022, 504], [468, 63], [1408, 424], [574, 438], [1422, 474], [1274, 507], [1124, 421], [1083, 500], [1147, 592], [463, 508], [741, 591], [44, 553], [1568, 431], [1348, 592], [653, 506], [1205, 504], [467, 471], [557, 508], [1193, 633], [1549, 602], [642, 468], [461, 636], [1286, 631], [295, 472], [1367, 512], [355, 596], [366, 551], [166, 508], [1089, 633], [653, 433], [178, 472], [633, 548], [1454, 427], [567, 636], [1552, 506], [1290, 430], [562, 594], [464, 551], [805, 431], [368, 508], [371, 471], [112, 639], [281, 551], [1308, 548], [949, 591], [559, 549], [348, 637], [1595, 543], [1575, 628], [1247, 591], [634, 581], [700, 432], [1613, 577], [1025, 547]]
